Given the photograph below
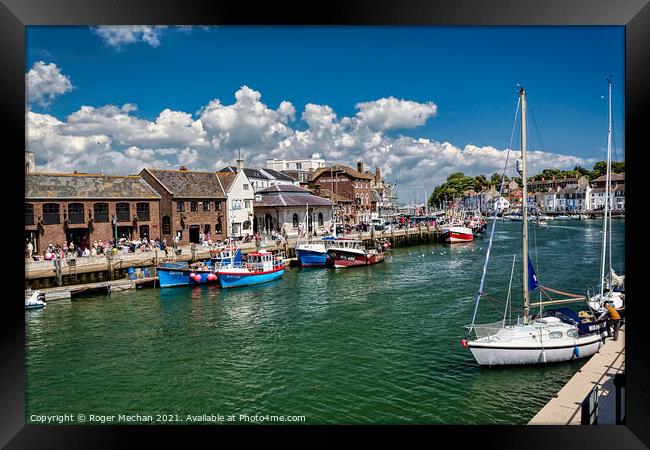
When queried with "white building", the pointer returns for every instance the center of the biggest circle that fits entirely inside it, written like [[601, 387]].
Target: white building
[[282, 208], [239, 201], [314, 162]]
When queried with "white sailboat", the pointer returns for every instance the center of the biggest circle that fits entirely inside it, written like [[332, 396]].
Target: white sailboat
[[610, 285], [560, 335]]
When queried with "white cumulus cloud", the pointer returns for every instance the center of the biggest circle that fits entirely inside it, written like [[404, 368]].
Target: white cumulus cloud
[[119, 35], [44, 82]]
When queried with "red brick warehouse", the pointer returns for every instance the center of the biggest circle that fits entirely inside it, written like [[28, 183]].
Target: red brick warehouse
[[84, 208]]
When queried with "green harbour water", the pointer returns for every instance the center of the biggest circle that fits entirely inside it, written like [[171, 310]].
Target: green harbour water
[[372, 345]]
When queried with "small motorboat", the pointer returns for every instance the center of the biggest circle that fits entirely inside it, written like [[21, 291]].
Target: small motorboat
[[34, 299], [542, 223]]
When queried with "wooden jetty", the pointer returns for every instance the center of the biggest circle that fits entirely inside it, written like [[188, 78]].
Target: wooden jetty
[[66, 292], [600, 371]]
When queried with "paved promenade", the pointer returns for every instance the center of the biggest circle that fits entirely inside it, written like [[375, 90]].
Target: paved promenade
[[565, 408]]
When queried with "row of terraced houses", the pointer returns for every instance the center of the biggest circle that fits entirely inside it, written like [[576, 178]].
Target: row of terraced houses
[[284, 197], [555, 195]]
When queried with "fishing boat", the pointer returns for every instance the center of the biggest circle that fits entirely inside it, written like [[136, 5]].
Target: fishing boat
[[351, 253], [172, 274], [610, 286], [34, 299], [259, 267], [310, 253], [546, 337], [453, 234]]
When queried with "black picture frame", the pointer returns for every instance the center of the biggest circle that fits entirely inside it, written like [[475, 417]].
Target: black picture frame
[[15, 15]]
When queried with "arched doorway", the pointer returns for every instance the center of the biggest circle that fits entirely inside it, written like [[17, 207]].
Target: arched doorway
[[268, 223]]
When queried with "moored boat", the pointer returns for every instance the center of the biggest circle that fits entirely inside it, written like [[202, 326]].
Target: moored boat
[[34, 299], [260, 267], [312, 254], [350, 253], [171, 274], [454, 234], [552, 336]]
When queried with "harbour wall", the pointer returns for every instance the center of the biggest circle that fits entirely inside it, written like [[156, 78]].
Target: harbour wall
[[102, 268]]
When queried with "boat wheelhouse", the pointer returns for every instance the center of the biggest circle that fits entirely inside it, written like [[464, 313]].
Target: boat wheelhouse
[[259, 267]]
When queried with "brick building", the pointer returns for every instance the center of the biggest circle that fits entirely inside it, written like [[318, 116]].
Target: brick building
[[190, 203], [349, 183], [81, 208]]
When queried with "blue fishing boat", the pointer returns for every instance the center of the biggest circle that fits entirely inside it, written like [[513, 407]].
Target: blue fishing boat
[[260, 267], [224, 256], [310, 253], [172, 274]]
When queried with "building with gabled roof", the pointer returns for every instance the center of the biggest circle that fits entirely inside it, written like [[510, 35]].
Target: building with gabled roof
[[192, 204], [282, 208], [83, 208]]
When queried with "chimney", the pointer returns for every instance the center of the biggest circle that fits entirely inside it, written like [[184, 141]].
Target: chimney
[[240, 161], [360, 166], [29, 162], [377, 175], [183, 168]]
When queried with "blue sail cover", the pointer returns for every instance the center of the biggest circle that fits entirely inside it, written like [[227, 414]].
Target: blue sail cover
[[532, 277]]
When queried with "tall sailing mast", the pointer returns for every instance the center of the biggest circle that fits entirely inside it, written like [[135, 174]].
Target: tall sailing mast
[[607, 183], [524, 206]]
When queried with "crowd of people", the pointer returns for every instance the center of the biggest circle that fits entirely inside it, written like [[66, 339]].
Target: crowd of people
[[71, 249]]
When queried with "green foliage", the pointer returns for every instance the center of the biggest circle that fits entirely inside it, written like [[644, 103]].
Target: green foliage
[[457, 183]]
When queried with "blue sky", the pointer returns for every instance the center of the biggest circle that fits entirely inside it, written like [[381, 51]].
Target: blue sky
[[469, 73]]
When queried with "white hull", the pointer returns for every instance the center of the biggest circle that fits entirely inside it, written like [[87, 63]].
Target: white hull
[[495, 355]]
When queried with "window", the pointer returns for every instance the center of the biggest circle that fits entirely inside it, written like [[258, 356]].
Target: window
[[217, 204], [555, 334], [101, 212], [76, 212], [247, 204], [194, 206], [206, 206], [142, 211], [166, 225], [295, 220], [180, 206], [320, 219], [51, 213], [123, 212], [218, 228], [29, 214], [236, 204], [298, 165], [206, 228], [245, 187]]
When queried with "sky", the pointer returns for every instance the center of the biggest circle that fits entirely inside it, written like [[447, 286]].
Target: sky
[[420, 102]]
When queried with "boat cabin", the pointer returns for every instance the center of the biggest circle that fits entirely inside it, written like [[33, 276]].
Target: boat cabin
[[263, 261]]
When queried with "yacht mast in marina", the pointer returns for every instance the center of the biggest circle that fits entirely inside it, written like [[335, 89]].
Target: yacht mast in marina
[[521, 168]]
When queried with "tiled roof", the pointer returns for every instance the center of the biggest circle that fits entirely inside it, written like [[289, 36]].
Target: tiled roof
[[289, 195], [278, 175], [92, 186], [189, 184], [227, 178], [250, 173], [348, 170], [614, 177]]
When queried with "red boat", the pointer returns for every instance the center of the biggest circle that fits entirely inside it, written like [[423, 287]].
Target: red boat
[[350, 253], [454, 234]]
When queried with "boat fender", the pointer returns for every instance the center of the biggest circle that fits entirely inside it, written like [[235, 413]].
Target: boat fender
[[576, 352], [192, 275], [463, 342]]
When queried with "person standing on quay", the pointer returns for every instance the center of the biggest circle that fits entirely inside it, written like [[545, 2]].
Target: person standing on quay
[[613, 319], [29, 249]]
